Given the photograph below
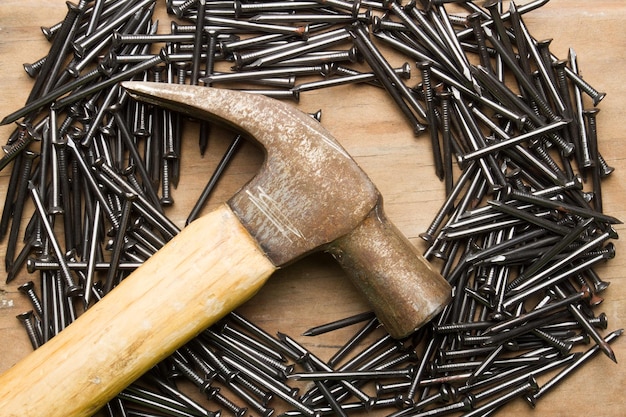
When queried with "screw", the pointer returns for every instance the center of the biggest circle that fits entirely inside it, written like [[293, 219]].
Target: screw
[[215, 395], [272, 386]]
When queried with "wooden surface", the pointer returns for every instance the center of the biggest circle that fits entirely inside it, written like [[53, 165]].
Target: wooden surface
[[314, 290]]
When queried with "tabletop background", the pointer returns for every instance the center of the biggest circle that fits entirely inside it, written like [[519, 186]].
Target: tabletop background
[[365, 121]]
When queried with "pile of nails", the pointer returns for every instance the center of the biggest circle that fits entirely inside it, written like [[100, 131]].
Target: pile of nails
[[517, 236]]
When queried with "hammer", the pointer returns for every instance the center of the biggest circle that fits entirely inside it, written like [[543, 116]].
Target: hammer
[[309, 195]]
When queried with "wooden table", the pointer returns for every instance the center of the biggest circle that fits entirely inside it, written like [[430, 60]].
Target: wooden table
[[314, 290]]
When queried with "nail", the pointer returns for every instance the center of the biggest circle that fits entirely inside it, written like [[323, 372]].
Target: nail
[[28, 158], [447, 34], [57, 54], [431, 42], [339, 324], [299, 31], [32, 332], [319, 364], [556, 265], [538, 312], [448, 206], [491, 172], [261, 73], [560, 206], [489, 407], [253, 8], [251, 357], [71, 288], [549, 255], [431, 117], [351, 375], [118, 242], [474, 22], [393, 84], [153, 401], [348, 79], [309, 46], [365, 17], [541, 64], [321, 386], [215, 395], [590, 353], [263, 335], [82, 45], [592, 135], [584, 322], [178, 396], [203, 383], [579, 83], [510, 142]]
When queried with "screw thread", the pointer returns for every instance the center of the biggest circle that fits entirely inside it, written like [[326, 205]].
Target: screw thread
[[541, 152], [563, 347], [28, 290], [180, 10], [227, 403], [190, 374]]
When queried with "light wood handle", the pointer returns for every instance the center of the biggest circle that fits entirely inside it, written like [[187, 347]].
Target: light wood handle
[[206, 271]]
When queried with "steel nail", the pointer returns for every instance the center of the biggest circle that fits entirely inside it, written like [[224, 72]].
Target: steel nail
[[27, 320]]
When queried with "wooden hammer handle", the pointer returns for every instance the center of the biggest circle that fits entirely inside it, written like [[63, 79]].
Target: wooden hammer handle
[[205, 272]]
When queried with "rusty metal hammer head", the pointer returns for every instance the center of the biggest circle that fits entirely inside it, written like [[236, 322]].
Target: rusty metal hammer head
[[311, 195]]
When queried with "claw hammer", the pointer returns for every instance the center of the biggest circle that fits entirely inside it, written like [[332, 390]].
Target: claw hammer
[[309, 195]]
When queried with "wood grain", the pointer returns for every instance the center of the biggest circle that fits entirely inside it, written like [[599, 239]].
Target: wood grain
[[365, 121], [142, 321]]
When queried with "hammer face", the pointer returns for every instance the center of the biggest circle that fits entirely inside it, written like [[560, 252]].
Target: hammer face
[[309, 191]]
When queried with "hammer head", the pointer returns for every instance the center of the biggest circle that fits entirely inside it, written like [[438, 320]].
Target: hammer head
[[311, 195], [308, 192]]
